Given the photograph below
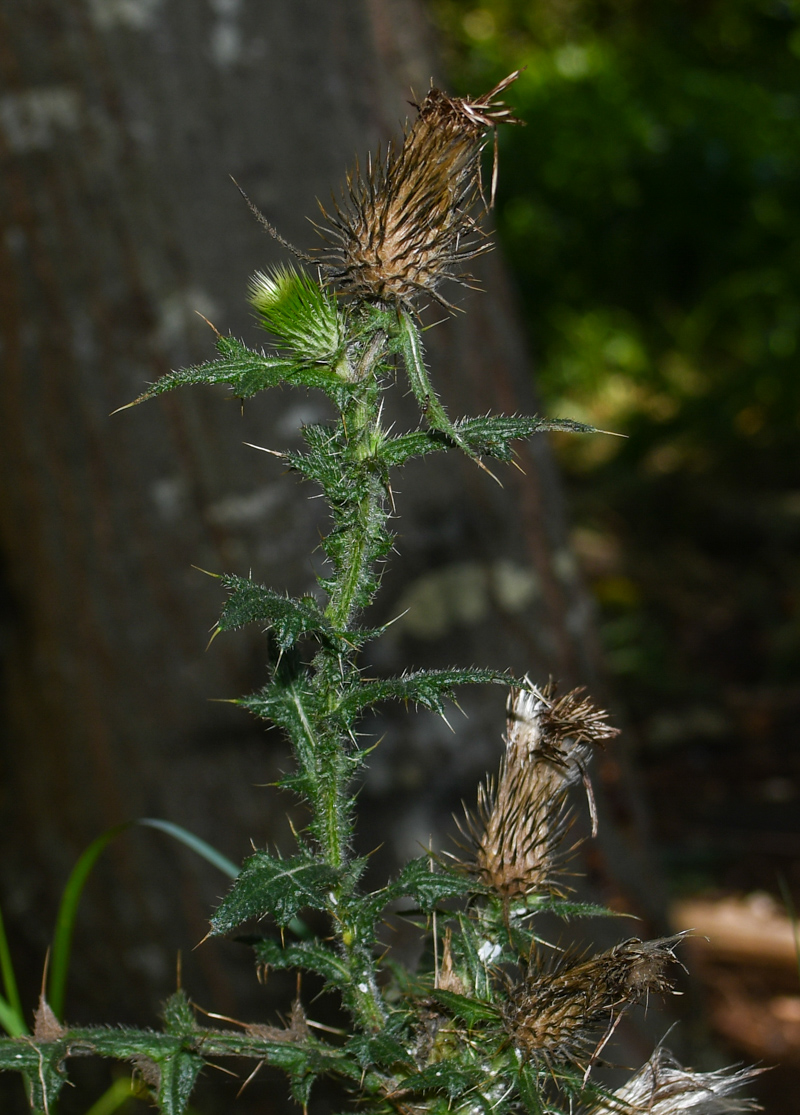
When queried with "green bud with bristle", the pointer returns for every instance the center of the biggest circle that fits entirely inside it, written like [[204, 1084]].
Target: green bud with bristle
[[299, 313]]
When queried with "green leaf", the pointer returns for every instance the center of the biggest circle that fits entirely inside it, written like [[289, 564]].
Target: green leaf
[[45, 1080], [489, 436], [179, 1065], [445, 1076], [18, 1054], [492, 435], [472, 1011], [468, 944], [176, 1054], [566, 909], [427, 887], [178, 1072], [292, 705], [387, 1048], [531, 1088], [288, 618], [280, 887], [310, 955], [178, 1015], [326, 463], [12, 1021], [245, 371], [397, 450], [427, 688]]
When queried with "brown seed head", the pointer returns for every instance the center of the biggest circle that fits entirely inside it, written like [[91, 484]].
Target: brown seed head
[[405, 225], [555, 1016], [523, 816]]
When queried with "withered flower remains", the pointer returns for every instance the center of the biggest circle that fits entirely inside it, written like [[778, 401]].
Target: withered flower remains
[[405, 224], [523, 816], [555, 1016], [662, 1087]]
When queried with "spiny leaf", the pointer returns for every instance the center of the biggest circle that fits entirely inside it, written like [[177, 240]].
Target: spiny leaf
[[469, 946], [566, 909], [24, 1055], [269, 885], [387, 1048], [531, 1087], [427, 887], [178, 1015], [427, 688], [288, 618], [178, 1072], [492, 435], [489, 436], [245, 371], [471, 1010], [445, 1076], [289, 703], [313, 956], [46, 1076]]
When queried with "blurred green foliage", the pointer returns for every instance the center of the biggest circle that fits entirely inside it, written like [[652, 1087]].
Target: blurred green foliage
[[651, 212]]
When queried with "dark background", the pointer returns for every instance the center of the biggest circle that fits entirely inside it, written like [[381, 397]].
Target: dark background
[[649, 211]]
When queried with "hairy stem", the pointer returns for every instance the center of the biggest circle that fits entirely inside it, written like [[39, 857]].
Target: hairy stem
[[365, 519]]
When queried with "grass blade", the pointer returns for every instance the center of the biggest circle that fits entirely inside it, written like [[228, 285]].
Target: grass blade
[[114, 1097], [65, 919], [215, 858], [11, 1017], [11, 1022]]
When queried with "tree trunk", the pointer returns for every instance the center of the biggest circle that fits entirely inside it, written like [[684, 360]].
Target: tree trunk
[[121, 123]]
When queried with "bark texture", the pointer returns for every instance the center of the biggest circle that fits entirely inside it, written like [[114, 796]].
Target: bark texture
[[120, 124]]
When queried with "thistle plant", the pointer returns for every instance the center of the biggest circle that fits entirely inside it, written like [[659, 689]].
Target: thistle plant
[[499, 1020]]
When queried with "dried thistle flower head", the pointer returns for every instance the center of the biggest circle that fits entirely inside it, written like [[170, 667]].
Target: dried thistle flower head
[[405, 225], [554, 1016], [523, 816], [662, 1087]]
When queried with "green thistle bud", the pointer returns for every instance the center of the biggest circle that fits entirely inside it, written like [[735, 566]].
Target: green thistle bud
[[299, 313]]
